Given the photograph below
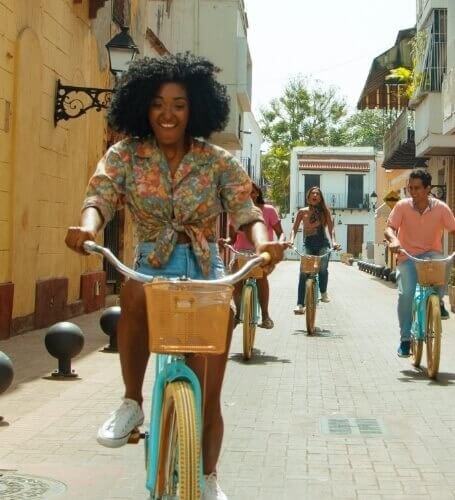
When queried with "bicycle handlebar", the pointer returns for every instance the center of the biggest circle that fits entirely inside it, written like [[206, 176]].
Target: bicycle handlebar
[[308, 254], [416, 259], [93, 248]]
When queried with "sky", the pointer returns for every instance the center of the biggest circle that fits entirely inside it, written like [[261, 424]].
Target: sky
[[334, 41]]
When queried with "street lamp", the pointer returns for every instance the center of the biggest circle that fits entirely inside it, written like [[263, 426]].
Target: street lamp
[[72, 102], [373, 200], [122, 50]]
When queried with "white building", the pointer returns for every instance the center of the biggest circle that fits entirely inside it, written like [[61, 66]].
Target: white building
[[216, 29], [347, 177], [250, 155]]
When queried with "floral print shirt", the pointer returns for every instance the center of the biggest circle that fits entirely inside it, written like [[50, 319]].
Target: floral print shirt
[[208, 181]]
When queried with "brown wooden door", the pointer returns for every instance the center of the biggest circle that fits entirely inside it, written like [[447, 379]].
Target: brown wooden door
[[355, 239]]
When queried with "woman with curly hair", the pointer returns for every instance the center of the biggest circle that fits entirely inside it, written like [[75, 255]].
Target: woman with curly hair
[[175, 185]]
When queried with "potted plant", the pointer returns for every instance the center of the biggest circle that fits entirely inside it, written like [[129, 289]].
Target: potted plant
[[451, 288]]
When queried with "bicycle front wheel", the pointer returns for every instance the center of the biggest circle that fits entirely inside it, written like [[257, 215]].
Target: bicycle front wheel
[[179, 445], [249, 326], [433, 335], [310, 305]]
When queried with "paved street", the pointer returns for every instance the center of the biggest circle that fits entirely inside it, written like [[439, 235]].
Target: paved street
[[336, 415]]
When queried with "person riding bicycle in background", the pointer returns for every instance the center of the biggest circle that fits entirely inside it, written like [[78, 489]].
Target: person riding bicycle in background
[[416, 224], [241, 243], [319, 238], [175, 187]]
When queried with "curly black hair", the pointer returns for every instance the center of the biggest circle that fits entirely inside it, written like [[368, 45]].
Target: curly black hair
[[208, 99]]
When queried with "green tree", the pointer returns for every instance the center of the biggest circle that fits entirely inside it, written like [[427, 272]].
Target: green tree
[[367, 127], [275, 168], [307, 114]]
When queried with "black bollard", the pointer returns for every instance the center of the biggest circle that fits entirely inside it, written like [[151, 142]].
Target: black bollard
[[108, 322], [386, 273], [6, 374], [64, 340]]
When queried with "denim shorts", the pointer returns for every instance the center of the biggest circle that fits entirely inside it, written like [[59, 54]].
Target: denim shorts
[[182, 262]]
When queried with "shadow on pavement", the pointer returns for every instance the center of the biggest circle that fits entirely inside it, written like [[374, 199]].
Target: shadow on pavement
[[420, 374], [320, 333], [258, 359]]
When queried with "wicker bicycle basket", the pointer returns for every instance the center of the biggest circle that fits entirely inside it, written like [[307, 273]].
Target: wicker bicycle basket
[[310, 263], [187, 318], [256, 273], [431, 273]]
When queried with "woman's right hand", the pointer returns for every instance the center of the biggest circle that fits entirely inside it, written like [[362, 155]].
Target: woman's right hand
[[76, 236]]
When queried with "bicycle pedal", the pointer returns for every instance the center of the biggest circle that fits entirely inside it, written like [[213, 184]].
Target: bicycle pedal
[[135, 436]]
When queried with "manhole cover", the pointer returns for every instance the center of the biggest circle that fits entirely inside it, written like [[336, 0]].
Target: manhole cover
[[24, 487], [343, 426]]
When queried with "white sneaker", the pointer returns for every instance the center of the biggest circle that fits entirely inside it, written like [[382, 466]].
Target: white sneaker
[[118, 427], [212, 490], [299, 309], [325, 297]]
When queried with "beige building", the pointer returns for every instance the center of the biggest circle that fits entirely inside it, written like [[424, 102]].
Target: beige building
[[423, 133]]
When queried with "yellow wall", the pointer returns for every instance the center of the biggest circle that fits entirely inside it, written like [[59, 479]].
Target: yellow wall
[[43, 168]]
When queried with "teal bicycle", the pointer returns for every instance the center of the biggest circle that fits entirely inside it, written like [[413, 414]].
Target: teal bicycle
[[186, 317], [249, 305], [426, 310]]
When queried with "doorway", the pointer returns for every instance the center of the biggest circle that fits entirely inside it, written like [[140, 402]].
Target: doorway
[[355, 239]]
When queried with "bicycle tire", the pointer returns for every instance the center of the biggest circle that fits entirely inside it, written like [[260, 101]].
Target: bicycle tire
[[433, 335], [310, 305], [179, 444], [416, 347], [249, 327]]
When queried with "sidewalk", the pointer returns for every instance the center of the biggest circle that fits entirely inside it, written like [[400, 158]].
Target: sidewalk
[[337, 415]]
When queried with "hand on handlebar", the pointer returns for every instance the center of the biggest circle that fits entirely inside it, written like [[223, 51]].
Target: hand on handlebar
[[276, 251], [395, 246], [76, 236], [222, 242]]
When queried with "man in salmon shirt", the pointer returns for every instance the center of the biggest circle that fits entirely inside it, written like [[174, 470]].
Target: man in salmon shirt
[[416, 224]]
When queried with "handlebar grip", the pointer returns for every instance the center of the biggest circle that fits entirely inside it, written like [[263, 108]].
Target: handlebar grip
[[266, 257], [89, 246]]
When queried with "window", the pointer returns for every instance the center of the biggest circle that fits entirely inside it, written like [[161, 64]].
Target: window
[[312, 180], [355, 191], [121, 12]]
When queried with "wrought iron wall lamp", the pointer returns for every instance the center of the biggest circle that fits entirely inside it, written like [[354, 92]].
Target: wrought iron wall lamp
[[72, 102]]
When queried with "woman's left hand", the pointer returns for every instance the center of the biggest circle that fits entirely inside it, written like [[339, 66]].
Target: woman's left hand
[[276, 250]]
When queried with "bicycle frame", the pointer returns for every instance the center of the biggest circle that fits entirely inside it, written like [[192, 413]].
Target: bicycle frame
[[419, 304], [251, 282], [170, 368]]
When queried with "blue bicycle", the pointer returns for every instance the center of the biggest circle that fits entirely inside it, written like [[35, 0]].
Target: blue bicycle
[[186, 316], [426, 310]]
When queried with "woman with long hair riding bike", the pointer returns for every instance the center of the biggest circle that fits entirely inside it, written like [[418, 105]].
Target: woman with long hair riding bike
[[175, 185], [241, 243], [318, 238]]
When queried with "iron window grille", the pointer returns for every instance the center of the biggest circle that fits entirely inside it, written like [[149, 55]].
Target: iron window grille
[[434, 61]]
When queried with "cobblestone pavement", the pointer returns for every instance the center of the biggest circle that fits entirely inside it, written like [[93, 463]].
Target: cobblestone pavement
[[336, 415]]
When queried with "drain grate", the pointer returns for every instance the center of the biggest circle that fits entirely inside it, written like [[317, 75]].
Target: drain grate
[[24, 487], [345, 426]]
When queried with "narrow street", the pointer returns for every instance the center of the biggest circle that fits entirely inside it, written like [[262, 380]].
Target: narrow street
[[336, 415]]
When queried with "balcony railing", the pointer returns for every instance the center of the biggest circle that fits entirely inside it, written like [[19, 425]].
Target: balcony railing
[[448, 94], [340, 201]]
